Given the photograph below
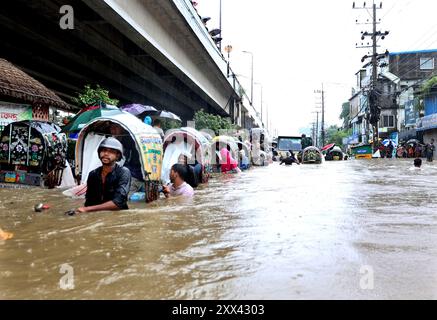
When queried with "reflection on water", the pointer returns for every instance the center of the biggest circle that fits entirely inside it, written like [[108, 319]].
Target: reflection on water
[[271, 233]]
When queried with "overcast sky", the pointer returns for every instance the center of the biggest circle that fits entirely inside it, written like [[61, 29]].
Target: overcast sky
[[298, 45]]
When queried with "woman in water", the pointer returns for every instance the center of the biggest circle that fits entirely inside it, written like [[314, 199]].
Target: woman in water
[[228, 164]]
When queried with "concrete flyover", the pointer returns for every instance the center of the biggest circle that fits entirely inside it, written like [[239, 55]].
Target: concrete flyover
[[154, 52]]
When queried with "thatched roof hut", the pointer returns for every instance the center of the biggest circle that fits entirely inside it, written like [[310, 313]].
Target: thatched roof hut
[[16, 84]]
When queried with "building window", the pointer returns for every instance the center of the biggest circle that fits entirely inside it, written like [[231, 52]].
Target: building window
[[387, 122], [426, 63]]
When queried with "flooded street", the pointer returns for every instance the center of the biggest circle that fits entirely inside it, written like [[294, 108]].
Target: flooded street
[[300, 232]]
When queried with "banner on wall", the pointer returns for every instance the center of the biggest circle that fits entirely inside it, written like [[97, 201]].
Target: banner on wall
[[11, 112]]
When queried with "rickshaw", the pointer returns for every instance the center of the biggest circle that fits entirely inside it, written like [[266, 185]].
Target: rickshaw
[[193, 145], [334, 154], [310, 155], [287, 144], [32, 153], [217, 144], [244, 152], [141, 141], [261, 142]]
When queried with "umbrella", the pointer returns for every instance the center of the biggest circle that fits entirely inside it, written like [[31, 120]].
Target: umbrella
[[137, 109], [88, 114], [327, 147], [386, 142], [413, 141], [168, 115]]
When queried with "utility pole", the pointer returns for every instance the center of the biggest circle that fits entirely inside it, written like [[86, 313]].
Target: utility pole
[[251, 77], [317, 129], [313, 131], [374, 81], [323, 117], [322, 133], [373, 93]]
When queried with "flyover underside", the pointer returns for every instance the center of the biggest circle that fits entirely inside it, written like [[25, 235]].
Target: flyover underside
[[93, 53]]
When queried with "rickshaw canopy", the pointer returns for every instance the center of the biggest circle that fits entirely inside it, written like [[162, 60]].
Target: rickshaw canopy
[[146, 139]]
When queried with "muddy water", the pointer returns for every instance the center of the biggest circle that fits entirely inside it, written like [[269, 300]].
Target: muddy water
[[336, 230]]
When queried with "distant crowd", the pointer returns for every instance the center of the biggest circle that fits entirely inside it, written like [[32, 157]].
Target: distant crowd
[[412, 149]]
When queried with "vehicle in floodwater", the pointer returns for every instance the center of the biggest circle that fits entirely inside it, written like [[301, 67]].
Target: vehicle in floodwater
[[286, 144], [217, 144], [32, 153], [334, 153], [139, 139], [193, 145], [310, 155], [261, 142]]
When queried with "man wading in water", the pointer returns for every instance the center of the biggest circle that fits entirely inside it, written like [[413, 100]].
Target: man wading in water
[[107, 186]]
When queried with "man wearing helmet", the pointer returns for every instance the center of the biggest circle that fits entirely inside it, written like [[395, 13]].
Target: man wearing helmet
[[108, 186]]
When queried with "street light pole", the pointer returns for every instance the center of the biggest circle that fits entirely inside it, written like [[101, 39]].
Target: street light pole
[[228, 49], [251, 86], [220, 26], [261, 102]]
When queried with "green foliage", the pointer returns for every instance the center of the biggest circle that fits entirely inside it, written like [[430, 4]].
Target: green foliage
[[212, 122], [90, 97], [335, 135], [345, 113], [167, 124], [429, 85], [419, 105]]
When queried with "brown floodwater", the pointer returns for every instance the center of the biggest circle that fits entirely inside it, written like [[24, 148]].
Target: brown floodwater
[[300, 232]]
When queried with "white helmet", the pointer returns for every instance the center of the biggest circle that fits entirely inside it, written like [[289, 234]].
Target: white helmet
[[111, 143]]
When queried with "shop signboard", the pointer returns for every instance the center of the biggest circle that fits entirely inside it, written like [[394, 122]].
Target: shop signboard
[[11, 112], [427, 122], [354, 139]]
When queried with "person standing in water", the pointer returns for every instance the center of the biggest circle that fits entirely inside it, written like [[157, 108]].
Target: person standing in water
[[108, 185], [179, 174], [430, 148], [290, 159]]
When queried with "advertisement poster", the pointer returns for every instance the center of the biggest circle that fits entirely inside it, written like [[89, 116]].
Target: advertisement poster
[[411, 115], [152, 155]]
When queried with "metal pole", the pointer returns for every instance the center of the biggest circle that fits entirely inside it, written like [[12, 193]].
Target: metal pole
[[317, 130], [251, 86], [220, 26], [323, 117], [251, 78], [267, 119], [228, 63], [374, 78], [262, 105]]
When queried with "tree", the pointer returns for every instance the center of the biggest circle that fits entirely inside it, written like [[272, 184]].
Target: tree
[[336, 135], [345, 113], [212, 122], [90, 97], [427, 87], [167, 124]]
